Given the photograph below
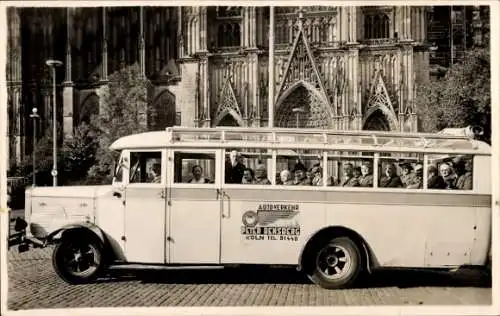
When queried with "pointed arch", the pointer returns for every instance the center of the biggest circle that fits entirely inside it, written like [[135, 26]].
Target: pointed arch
[[379, 100], [317, 114], [163, 111], [89, 107], [228, 104], [301, 57]]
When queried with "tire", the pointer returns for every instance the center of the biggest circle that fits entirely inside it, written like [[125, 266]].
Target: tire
[[336, 264], [78, 259]]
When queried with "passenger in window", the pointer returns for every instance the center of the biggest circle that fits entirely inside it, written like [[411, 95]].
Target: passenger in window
[[391, 178], [198, 178], [286, 177], [248, 176], [449, 176], [261, 175], [434, 180], [299, 172], [317, 173], [348, 179], [357, 172], [417, 179], [464, 181], [234, 168], [155, 173], [406, 174], [366, 179]]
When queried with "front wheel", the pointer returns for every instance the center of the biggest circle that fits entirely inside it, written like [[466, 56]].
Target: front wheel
[[337, 264], [78, 260]]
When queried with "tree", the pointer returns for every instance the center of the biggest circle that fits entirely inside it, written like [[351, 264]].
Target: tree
[[124, 111], [79, 153], [461, 98]]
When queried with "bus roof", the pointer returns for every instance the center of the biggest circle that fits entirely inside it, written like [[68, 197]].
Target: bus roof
[[236, 137]]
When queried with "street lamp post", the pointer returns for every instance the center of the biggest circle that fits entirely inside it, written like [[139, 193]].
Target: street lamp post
[[53, 64], [34, 116]]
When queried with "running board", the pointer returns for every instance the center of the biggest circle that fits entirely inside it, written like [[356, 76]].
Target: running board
[[160, 267]]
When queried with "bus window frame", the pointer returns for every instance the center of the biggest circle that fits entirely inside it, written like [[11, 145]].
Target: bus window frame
[[163, 156], [186, 150]]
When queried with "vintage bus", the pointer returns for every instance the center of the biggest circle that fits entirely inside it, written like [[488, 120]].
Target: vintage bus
[[335, 204]]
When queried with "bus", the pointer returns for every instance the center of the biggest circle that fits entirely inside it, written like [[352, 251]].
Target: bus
[[337, 205]]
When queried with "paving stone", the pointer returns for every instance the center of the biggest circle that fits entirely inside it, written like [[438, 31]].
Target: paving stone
[[34, 284]]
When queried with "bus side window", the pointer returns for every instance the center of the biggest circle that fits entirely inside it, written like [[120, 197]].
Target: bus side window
[[145, 167], [194, 168]]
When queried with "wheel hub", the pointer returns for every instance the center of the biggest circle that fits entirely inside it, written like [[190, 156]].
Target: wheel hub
[[332, 260]]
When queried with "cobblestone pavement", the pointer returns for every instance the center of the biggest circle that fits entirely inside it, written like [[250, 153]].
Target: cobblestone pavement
[[34, 284]]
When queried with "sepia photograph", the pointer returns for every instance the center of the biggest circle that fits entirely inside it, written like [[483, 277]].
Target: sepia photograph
[[261, 155]]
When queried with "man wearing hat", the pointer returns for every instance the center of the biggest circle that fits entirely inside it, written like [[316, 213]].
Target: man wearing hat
[[417, 179], [391, 178], [406, 175]]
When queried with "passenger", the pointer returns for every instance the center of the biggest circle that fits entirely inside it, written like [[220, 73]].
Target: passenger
[[155, 173], [449, 176], [391, 178], [417, 179], [198, 178], [406, 175], [248, 176], [300, 175], [348, 178], [317, 173], [357, 172], [234, 168], [261, 175], [434, 181], [366, 179], [286, 177], [464, 182]]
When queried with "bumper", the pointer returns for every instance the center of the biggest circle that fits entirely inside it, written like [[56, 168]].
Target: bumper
[[23, 241]]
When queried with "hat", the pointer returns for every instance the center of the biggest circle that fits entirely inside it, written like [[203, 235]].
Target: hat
[[405, 165], [418, 167], [299, 166]]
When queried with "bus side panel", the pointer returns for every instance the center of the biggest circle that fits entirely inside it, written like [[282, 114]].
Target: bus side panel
[[269, 226], [482, 237], [410, 229]]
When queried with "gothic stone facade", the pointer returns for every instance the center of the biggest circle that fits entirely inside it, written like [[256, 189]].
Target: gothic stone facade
[[346, 67]]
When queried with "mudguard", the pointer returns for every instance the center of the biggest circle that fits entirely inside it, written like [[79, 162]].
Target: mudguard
[[88, 227]]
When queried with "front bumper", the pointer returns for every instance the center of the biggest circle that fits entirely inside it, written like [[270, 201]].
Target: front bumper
[[21, 239]]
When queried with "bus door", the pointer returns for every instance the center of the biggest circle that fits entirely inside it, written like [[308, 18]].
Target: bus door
[[194, 207], [145, 207]]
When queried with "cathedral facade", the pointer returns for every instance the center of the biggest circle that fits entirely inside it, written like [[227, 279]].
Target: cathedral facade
[[308, 67]]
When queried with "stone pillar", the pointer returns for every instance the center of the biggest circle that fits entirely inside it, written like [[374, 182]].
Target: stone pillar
[[105, 40], [142, 44], [272, 84], [204, 90], [68, 102], [16, 137]]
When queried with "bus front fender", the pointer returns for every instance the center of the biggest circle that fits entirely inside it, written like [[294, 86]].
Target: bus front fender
[[78, 228]]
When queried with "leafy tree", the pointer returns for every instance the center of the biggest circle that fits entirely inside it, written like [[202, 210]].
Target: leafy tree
[[79, 153], [461, 98], [124, 111]]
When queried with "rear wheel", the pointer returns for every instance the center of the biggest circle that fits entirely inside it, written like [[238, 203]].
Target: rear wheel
[[336, 264], [78, 260]]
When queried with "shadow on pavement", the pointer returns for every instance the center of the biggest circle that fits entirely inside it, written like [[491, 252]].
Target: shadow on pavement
[[401, 278]]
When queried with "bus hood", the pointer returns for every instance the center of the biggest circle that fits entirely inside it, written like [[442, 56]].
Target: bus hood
[[50, 208]]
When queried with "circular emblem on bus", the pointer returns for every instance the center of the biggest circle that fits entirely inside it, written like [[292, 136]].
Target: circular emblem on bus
[[250, 218]]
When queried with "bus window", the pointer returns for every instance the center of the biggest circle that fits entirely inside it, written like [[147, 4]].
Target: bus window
[[450, 172], [145, 167], [401, 171], [299, 167], [194, 167], [251, 166], [350, 169]]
